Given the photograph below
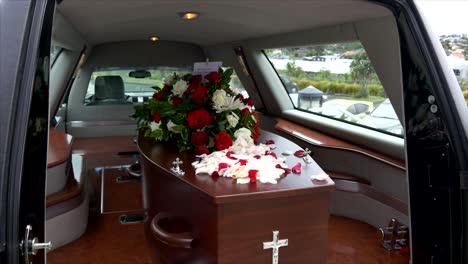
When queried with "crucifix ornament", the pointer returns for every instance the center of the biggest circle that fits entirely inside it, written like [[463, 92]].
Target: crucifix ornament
[[275, 245], [176, 169]]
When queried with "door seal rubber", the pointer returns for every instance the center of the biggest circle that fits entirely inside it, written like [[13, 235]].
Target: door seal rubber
[[463, 175]]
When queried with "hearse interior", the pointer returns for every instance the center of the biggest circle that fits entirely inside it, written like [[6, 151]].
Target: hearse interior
[[106, 55]]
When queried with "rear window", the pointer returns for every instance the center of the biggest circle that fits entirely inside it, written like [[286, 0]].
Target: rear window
[[135, 90]]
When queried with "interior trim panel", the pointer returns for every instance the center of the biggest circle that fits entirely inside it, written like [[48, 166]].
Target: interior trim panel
[[322, 140]]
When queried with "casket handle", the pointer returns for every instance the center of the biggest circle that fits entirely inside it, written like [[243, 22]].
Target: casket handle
[[180, 240]]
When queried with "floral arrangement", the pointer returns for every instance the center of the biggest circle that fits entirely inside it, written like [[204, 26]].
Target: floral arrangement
[[198, 113]]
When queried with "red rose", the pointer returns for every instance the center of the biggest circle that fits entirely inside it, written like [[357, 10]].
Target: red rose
[[196, 79], [157, 96], [166, 87], [249, 102], [245, 112], [199, 119], [213, 77], [199, 150], [200, 94], [222, 140], [240, 97], [200, 138], [156, 117], [191, 87], [176, 101]]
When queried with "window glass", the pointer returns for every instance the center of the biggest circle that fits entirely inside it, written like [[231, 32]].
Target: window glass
[[337, 81], [236, 84], [449, 22], [137, 84]]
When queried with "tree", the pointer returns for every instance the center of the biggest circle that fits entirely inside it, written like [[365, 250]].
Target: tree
[[316, 51], [362, 71], [294, 71], [447, 45]]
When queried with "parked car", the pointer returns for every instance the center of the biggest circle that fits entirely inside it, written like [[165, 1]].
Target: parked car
[[288, 84], [384, 118]]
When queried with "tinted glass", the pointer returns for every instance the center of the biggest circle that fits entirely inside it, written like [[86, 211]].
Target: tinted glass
[[337, 81], [135, 90]]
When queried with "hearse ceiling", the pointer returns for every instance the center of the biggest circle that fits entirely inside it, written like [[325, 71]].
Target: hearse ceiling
[[220, 21]]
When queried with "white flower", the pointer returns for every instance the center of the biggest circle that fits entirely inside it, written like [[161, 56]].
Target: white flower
[[232, 119], [171, 126], [154, 126], [169, 80], [180, 87], [219, 98], [243, 133]]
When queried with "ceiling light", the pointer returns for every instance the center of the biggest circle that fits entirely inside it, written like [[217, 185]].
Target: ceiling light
[[189, 15], [154, 38]]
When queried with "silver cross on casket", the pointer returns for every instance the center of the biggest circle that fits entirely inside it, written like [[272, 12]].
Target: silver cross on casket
[[275, 245]]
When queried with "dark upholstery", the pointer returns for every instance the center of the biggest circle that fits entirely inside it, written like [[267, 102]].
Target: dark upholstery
[[109, 90]]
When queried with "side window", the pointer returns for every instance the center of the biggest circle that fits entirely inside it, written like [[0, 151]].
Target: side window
[[449, 22], [109, 86], [236, 84], [338, 81]]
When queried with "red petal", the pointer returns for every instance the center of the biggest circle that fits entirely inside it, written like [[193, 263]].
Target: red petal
[[297, 168], [269, 142], [215, 174], [300, 153], [242, 162], [257, 156], [223, 165], [229, 153], [271, 154], [253, 175], [286, 170]]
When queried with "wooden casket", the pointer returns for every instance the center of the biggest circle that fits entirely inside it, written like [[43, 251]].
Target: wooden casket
[[204, 219]]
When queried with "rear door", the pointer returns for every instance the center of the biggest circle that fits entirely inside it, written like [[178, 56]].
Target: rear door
[[436, 122], [25, 33]]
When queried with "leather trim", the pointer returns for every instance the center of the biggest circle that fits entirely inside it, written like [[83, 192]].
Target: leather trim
[[369, 191], [322, 140]]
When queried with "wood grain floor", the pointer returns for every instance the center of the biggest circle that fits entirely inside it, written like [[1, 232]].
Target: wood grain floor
[[108, 241]]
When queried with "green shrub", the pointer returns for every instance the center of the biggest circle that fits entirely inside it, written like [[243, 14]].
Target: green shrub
[[301, 84], [352, 89], [376, 90]]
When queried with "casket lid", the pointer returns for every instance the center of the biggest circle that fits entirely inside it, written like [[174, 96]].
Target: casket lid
[[226, 190]]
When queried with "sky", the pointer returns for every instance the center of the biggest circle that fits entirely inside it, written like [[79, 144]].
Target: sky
[[445, 16]]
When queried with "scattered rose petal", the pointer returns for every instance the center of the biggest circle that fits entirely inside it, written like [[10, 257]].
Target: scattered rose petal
[[270, 142], [320, 177], [271, 154], [243, 180], [242, 162], [223, 165], [300, 153], [257, 156], [297, 168], [286, 169], [215, 174], [229, 155], [253, 175], [287, 153]]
